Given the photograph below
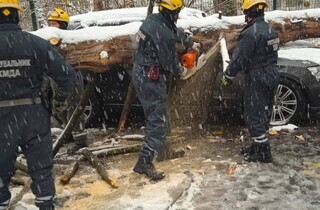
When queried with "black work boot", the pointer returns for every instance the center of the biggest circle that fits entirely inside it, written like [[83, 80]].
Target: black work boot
[[168, 153], [147, 168], [258, 153]]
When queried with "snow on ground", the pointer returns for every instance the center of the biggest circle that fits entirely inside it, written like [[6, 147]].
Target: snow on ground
[[202, 179], [289, 127]]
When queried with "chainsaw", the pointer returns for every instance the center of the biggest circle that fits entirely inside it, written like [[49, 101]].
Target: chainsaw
[[194, 61]]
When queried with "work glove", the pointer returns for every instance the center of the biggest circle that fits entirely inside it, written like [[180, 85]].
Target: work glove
[[59, 106], [196, 46], [225, 81]]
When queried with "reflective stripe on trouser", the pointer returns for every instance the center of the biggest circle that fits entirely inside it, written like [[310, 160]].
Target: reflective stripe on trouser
[[153, 97], [258, 105], [4, 205], [260, 139], [43, 201], [146, 153], [20, 102], [29, 128]]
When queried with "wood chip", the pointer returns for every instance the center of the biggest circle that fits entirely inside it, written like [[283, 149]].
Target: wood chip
[[217, 133], [300, 137], [273, 132], [232, 168]]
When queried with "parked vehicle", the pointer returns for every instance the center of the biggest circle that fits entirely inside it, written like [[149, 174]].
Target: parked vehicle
[[297, 97]]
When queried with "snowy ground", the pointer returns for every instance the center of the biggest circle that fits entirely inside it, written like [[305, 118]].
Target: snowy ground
[[212, 175]]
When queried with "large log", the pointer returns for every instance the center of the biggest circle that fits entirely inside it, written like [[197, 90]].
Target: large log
[[86, 55]]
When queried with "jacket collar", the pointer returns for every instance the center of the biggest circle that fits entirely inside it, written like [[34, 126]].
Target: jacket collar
[[258, 19], [9, 27], [171, 26]]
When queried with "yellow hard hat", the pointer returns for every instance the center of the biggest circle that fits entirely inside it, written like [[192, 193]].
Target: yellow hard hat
[[171, 4], [247, 4], [10, 4], [58, 15]]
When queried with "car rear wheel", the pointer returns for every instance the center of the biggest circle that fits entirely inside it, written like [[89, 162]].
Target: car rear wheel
[[289, 103], [93, 113]]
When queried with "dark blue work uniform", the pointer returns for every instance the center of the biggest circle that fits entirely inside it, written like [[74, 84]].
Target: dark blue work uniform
[[256, 54], [156, 52], [24, 60]]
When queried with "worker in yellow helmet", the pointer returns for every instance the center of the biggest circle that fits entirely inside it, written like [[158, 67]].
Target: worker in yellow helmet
[[9, 11], [253, 9], [256, 54], [155, 58], [58, 18], [25, 120]]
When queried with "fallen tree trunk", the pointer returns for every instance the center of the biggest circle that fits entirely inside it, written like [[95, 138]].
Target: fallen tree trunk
[[86, 55]]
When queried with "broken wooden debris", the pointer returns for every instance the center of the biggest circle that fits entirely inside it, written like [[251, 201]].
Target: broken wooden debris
[[232, 168], [133, 137], [117, 151], [18, 197], [111, 146], [126, 108], [97, 164], [300, 137], [69, 172], [102, 151]]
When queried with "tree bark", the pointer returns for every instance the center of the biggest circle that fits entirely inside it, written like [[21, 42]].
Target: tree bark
[[68, 174], [117, 151], [98, 5], [39, 13]]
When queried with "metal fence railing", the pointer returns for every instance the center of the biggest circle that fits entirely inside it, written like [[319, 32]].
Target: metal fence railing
[[233, 7], [294, 4]]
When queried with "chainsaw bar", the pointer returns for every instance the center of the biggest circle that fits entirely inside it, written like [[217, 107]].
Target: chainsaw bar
[[202, 60]]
